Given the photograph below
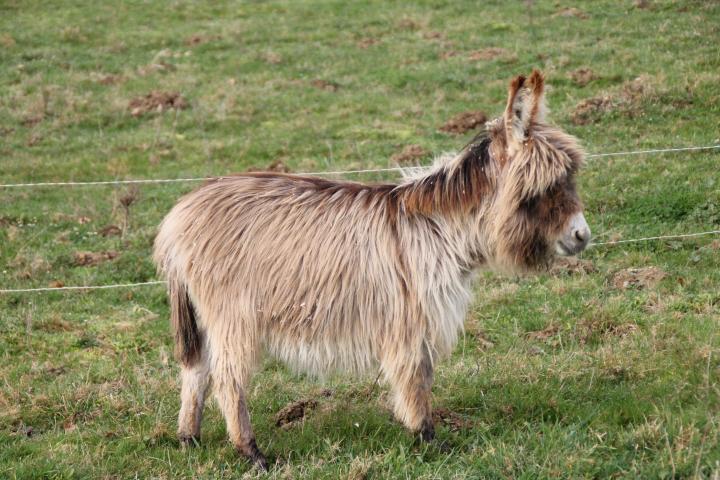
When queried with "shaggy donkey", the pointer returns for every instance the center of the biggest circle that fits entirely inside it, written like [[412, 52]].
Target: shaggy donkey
[[341, 276]]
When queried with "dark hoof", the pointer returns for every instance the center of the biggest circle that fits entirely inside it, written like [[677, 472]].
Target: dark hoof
[[253, 453], [188, 441], [427, 431]]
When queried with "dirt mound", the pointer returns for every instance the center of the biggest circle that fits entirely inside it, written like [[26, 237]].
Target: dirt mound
[[110, 231], [544, 334], [572, 265], [487, 54], [276, 166], [571, 12], [409, 155], [450, 419], [295, 412], [464, 122], [83, 259], [368, 42], [628, 100], [325, 85], [157, 102], [586, 111], [646, 277], [582, 76]]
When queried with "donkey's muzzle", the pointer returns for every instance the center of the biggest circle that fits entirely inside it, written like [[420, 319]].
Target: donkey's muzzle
[[575, 238]]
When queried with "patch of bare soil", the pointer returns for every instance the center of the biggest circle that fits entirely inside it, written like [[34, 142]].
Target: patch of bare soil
[[544, 334], [450, 419], [367, 42], [409, 155], [571, 12], [276, 166], [464, 122], [571, 265], [271, 58], [448, 54], [199, 39], [628, 100], [601, 327], [582, 76], [93, 258], [487, 54], [586, 111], [326, 85], [641, 4], [294, 412], [408, 24], [157, 102], [157, 67], [56, 284], [110, 231], [433, 35], [646, 277]]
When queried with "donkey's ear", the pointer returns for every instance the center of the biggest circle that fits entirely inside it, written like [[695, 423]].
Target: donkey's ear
[[525, 105]]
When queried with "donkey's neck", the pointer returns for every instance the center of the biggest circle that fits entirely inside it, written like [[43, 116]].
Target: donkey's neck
[[450, 203]]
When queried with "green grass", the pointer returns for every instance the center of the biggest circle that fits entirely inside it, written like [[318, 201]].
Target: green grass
[[618, 382]]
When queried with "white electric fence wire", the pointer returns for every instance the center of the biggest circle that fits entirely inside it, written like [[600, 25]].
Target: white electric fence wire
[[336, 172], [161, 282]]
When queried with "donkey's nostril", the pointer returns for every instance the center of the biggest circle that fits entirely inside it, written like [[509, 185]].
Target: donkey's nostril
[[582, 235]]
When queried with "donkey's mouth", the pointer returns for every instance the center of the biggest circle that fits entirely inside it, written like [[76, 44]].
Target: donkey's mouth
[[565, 251]]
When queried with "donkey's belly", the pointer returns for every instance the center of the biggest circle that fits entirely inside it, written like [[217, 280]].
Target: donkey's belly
[[322, 353]]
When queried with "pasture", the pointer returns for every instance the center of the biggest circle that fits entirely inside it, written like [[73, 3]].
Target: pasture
[[602, 367]]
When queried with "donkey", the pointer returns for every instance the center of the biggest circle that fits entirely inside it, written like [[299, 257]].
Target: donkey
[[342, 276]]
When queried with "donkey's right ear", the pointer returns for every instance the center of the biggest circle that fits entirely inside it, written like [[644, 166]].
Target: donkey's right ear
[[525, 105]]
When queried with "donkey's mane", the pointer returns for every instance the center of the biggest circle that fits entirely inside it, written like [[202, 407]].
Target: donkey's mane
[[454, 182]]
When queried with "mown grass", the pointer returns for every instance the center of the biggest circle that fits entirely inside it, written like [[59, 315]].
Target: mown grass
[[567, 374]]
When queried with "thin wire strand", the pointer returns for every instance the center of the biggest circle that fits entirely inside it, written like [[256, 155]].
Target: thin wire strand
[[82, 287], [657, 150], [160, 282], [336, 172], [660, 237]]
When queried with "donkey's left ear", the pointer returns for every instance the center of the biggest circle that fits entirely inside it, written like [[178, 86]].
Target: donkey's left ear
[[525, 106]]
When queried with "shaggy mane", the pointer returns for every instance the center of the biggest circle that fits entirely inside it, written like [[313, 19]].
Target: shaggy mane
[[454, 182]]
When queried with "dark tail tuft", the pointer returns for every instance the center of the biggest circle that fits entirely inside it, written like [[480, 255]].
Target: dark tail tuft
[[184, 325]]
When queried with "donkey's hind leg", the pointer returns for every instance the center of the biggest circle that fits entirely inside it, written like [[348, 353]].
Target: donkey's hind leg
[[231, 370], [411, 378], [195, 381]]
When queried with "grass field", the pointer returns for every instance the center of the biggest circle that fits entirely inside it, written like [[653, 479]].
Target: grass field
[[590, 371]]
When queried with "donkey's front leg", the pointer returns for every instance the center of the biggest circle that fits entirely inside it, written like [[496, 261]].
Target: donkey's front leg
[[411, 377]]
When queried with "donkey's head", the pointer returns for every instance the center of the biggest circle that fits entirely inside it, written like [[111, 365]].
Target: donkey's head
[[537, 210]]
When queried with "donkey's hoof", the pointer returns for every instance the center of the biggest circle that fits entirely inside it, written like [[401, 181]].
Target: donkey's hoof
[[254, 455], [187, 441], [261, 463], [427, 431]]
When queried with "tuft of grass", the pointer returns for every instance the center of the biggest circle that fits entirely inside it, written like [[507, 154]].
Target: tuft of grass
[[565, 374]]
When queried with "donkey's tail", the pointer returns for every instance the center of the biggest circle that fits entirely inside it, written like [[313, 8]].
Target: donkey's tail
[[184, 324]]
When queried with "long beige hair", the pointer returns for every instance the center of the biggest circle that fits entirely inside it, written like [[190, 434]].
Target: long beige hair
[[336, 275]]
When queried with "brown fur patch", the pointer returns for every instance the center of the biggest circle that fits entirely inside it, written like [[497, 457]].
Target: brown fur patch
[[182, 318]]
